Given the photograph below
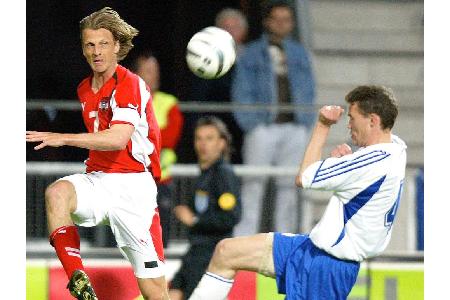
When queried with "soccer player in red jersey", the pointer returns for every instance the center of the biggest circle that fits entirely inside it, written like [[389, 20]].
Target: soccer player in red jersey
[[118, 188]]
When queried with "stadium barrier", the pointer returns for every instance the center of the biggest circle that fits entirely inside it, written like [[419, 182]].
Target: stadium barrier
[[114, 279]]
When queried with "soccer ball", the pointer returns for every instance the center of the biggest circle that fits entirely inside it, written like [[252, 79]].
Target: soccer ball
[[210, 53]]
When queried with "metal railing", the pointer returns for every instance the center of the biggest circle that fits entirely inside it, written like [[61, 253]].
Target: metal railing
[[310, 205]]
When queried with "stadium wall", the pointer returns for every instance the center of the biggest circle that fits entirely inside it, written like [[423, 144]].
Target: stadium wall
[[114, 279]]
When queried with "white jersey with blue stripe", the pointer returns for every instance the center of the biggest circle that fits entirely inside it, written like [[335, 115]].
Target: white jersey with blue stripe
[[366, 186]]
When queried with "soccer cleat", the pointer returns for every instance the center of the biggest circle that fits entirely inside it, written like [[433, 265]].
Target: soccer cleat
[[80, 286]]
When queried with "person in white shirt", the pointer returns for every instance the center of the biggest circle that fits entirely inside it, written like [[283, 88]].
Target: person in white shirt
[[357, 222]]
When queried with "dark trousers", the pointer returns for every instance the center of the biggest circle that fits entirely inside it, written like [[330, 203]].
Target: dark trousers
[[164, 200]]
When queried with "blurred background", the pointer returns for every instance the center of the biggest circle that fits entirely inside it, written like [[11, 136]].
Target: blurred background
[[351, 43]]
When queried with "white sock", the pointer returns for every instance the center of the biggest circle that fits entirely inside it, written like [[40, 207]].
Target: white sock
[[212, 287]]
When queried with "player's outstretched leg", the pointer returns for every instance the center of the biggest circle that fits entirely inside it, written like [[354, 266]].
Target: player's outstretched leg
[[80, 286], [250, 253]]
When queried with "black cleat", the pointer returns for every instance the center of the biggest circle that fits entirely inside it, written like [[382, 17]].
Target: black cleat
[[80, 286]]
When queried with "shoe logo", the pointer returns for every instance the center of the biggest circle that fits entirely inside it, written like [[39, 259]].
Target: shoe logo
[[87, 296]]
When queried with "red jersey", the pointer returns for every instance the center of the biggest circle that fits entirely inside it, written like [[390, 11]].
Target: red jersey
[[123, 99]]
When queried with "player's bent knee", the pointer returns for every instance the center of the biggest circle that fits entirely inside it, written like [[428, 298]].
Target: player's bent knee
[[153, 289], [154, 297], [222, 252], [157, 294], [58, 195], [154, 292]]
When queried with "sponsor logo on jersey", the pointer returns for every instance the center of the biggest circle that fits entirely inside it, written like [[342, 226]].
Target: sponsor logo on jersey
[[133, 106]]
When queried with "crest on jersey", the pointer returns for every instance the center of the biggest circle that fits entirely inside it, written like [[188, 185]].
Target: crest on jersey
[[201, 201], [104, 104]]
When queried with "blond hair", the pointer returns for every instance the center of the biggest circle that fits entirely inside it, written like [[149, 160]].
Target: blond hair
[[109, 19]]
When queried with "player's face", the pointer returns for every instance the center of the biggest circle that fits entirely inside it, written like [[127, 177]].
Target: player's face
[[208, 144], [100, 50], [280, 22], [148, 69], [359, 125]]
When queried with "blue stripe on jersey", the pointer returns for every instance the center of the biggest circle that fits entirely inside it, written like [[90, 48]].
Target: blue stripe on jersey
[[347, 163], [356, 158], [315, 175], [355, 204], [346, 168], [353, 161]]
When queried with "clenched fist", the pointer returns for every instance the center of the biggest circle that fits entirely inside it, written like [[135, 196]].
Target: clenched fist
[[341, 150], [330, 114]]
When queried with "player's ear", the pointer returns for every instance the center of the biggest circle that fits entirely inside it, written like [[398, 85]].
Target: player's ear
[[375, 120]]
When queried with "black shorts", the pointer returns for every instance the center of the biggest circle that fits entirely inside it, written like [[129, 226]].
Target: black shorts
[[194, 264]]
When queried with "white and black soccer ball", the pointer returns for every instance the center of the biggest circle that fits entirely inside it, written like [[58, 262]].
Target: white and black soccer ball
[[210, 53]]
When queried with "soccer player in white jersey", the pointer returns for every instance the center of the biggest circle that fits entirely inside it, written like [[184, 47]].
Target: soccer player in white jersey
[[118, 188], [357, 222]]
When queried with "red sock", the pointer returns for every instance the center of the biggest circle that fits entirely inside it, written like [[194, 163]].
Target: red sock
[[66, 242]]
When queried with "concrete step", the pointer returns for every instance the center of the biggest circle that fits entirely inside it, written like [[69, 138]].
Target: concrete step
[[367, 25], [355, 70]]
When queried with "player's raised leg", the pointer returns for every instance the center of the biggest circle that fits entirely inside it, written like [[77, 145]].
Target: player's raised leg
[[60, 203], [250, 253], [153, 288]]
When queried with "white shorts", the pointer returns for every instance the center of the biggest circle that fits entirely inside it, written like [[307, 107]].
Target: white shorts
[[127, 203]]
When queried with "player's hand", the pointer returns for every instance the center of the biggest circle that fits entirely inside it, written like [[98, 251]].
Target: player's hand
[[45, 138], [184, 214], [341, 150], [330, 114]]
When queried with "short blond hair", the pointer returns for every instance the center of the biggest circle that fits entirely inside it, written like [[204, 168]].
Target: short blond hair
[[109, 19]]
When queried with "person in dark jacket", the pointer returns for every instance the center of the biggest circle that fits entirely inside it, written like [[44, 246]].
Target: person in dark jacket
[[215, 207]]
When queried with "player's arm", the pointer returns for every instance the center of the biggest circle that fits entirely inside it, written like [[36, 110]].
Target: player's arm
[[328, 115], [185, 215], [111, 139]]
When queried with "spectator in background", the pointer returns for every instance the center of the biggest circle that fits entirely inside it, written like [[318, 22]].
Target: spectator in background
[[235, 22], [273, 70], [170, 121], [215, 208], [218, 90]]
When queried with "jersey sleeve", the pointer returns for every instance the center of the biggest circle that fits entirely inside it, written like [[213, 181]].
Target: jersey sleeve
[[339, 174], [126, 103], [227, 210]]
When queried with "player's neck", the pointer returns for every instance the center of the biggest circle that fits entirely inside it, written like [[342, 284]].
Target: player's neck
[[99, 79], [381, 138]]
